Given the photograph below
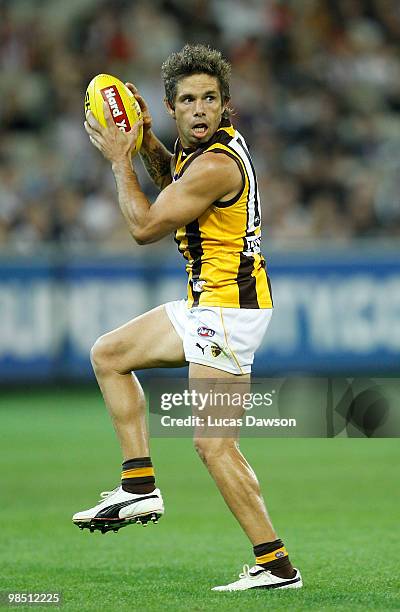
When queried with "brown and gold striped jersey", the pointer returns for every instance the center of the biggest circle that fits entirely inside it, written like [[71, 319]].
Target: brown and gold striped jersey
[[222, 247]]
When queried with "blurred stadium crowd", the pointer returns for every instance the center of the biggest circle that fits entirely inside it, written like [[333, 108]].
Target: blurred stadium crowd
[[315, 88]]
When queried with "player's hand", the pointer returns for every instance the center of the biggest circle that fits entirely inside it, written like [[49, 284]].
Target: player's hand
[[146, 116], [114, 144]]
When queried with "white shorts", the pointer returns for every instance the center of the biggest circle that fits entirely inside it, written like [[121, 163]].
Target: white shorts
[[222, 338]]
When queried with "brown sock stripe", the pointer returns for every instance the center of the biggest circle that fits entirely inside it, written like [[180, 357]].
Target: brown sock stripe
[[279, 553], [137, 472], [139, 481], [138, 462]]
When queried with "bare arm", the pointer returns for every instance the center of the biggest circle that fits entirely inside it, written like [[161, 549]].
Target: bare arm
[[210, 178], [155, 156]]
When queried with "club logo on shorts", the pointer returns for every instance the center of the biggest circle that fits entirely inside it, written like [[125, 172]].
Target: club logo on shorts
[[205, 332], [279, 554], [215, 350]]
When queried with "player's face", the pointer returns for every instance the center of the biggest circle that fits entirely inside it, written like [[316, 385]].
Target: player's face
[[198, 109]]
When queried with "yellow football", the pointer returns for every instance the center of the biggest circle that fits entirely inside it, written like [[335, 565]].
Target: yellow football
[[124, 107]]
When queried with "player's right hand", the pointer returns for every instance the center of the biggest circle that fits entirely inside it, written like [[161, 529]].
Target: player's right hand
[[143, 106]]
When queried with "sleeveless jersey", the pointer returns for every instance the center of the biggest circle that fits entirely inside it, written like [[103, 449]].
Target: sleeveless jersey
[[222, 247]]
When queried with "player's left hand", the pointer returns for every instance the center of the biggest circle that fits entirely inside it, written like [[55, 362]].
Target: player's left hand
[[114, 144]]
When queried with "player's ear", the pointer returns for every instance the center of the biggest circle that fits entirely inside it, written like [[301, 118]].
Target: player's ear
[[170, 109], [225, 107]]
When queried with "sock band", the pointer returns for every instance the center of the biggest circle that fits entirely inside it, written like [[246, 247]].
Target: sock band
[[138, 462], [280, 553], [138, 471], [267, 547], [273, 556]]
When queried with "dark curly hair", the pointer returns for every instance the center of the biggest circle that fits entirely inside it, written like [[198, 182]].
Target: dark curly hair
[[195, 59]]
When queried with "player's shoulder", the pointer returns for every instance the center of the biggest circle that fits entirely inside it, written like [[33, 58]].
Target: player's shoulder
[[212, 163], [213, 174]]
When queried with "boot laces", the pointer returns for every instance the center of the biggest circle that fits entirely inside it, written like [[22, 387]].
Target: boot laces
[[105, 494], [246, 572]]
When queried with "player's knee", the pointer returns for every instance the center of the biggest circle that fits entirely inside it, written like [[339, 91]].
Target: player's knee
[[210, 449], [102, 354]]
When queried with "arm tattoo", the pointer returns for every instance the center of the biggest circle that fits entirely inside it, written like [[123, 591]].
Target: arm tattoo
[[157, 162]]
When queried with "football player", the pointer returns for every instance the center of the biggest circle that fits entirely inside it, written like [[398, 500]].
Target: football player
[[209, 198]]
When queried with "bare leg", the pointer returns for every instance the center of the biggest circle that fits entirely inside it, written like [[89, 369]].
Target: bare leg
[[148, 341], [233, 475]]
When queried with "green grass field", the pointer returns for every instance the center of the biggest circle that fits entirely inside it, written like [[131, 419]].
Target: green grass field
[[334, 503]]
